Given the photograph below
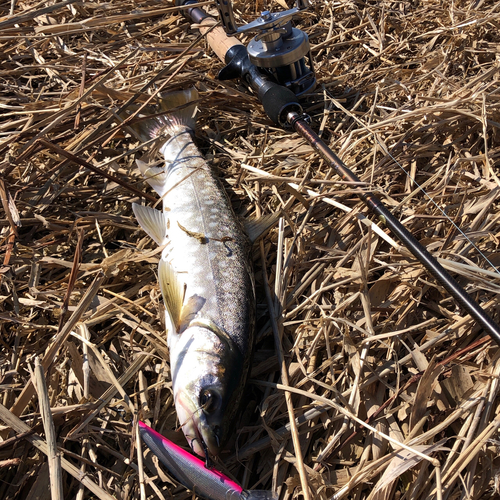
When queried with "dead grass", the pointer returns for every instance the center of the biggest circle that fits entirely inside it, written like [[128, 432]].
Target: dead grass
[[368, 337]]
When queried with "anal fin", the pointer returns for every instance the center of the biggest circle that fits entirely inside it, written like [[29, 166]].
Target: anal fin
[[152, 221]]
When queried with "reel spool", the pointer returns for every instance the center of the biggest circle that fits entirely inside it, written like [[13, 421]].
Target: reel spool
[[278, 50]]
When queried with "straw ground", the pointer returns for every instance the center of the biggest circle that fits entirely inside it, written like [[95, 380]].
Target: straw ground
[[394, 389]]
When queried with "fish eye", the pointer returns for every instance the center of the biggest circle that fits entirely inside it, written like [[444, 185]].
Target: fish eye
[[209, 401]]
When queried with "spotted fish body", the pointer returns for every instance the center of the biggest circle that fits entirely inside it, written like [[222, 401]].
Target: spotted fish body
[[206, 280]]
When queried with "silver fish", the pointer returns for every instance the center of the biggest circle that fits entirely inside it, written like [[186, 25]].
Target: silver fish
[[205, 276]]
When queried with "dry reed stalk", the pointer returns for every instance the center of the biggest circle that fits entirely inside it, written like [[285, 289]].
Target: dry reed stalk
[[399, 85], [61, 337], [54, 459], [275, 313], [19, 426]]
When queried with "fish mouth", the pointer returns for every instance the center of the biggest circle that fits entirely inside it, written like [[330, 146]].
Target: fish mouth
[[204, 440]]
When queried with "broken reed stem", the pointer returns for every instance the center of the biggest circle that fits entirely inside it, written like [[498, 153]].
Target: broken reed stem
[[54, 459], [398, 444], [84, 331], [18, 425], [28, 391], [15, 439], [355, 386], [467, 455], [137, 364], [284, 374], [439, 486], [109, 372]]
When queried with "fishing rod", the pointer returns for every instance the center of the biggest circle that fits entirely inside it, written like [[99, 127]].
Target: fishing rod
[[277, 65]]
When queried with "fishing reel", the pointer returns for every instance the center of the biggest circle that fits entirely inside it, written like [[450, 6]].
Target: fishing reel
[[278, 50]]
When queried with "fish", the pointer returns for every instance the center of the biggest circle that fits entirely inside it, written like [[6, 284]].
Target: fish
[[205, 274], [192, 473]]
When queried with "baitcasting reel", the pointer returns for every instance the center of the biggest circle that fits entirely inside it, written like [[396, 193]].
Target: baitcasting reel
[[273, 67], [278, 50]]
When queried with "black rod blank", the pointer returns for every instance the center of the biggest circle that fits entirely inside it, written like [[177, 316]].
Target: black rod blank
[[300, 125]]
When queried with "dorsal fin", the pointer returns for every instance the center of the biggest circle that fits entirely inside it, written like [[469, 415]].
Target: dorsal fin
[[255, 228]]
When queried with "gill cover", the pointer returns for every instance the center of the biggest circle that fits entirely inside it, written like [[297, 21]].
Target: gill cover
[[204, 385]]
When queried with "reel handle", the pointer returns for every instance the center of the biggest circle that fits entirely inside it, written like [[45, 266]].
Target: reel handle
[[217, 38], [267, 20], [279, 51]]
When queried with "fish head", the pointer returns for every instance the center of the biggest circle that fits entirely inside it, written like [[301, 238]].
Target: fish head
[[205, 388]]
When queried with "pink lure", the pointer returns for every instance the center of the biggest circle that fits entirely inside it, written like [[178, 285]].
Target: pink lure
[[191, 472]]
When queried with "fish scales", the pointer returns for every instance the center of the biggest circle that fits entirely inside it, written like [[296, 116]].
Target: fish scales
[[205, 276], [207, 243]]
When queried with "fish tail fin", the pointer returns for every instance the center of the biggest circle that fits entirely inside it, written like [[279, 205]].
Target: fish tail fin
[[184, 103], [175, 109]]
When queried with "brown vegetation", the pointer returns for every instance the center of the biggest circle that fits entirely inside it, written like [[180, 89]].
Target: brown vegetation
[[408, 95]]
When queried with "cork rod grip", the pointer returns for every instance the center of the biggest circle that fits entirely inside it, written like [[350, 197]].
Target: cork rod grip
[[217, 38]]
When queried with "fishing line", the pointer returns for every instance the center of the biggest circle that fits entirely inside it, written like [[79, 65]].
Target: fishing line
[[429, 197], [189, 419]]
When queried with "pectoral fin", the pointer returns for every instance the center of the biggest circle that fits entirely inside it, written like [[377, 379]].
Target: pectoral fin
[[255, 228], [173, 291], [152, 221], [193, 305]]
